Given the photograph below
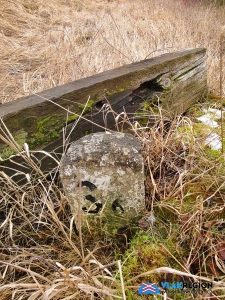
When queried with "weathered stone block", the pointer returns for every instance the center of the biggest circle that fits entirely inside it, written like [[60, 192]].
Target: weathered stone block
[[103, 174]]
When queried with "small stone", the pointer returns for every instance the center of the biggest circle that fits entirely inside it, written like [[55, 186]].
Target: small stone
[[143, 224], [105, 172]]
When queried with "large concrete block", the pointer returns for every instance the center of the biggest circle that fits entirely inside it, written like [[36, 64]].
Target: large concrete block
[[103, 174]]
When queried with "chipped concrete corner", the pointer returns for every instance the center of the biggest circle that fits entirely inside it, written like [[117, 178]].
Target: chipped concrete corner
[[105, 172]]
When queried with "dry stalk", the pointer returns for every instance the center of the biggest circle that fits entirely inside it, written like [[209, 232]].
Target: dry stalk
[[222, 35]]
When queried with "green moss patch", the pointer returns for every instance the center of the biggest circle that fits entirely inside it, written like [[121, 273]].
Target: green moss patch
[[20, 138], [85, 107], [72, 118], [47, 129], [113, 92]]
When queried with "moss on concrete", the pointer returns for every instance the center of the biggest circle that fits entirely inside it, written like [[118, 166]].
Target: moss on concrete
[[72, 118], [47, 129], [20, 138], [43, 121], [86, 107], [113, 92], [108, 223], [41, 131]]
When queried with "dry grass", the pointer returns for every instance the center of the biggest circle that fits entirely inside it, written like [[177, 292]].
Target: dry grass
[[48, 43], [185, 184], [44, 253]]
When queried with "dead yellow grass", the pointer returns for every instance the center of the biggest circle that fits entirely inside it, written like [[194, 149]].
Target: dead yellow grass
[[48, 43], [46, 253]]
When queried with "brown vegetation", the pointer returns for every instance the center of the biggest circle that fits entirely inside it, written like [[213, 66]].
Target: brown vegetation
[[44, 251], [49, 43]]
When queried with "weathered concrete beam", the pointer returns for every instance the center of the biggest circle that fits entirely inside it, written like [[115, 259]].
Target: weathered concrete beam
[[172, 81]]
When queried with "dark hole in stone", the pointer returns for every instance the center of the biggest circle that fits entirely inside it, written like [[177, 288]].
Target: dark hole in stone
[[147, 91], [100, 104], [93, 200], [116, 205], [89, 184], [151, 85]]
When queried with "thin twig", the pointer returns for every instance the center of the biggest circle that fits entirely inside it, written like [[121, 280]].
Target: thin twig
[[221, 81]]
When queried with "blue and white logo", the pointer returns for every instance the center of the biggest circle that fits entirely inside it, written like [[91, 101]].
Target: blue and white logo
[[148, 289]]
